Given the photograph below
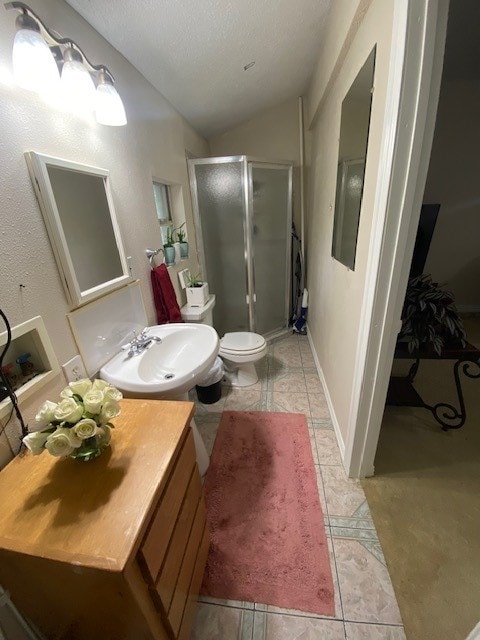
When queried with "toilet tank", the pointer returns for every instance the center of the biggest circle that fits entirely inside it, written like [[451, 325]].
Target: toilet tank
[[202, 315]]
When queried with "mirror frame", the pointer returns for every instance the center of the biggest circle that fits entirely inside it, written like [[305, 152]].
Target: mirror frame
[[37, 165], [339, 228]]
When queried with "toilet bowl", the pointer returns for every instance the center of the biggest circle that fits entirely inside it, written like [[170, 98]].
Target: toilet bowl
[[239, 350]]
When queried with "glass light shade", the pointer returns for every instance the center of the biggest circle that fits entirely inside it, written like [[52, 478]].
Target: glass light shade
[[34, 66], [78, 88], [109, 107]]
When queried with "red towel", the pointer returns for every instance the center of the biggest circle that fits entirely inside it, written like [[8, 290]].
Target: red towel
[[164, 296]]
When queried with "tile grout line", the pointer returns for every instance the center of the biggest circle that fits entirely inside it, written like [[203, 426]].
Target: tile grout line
[[375, 624], [307, 615], [244, 611], [324, 493], [333, 551]]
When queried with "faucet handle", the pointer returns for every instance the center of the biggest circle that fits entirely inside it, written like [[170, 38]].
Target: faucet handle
[[133, 341]]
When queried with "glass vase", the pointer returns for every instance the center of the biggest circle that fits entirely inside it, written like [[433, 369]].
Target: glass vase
[[91, 448]]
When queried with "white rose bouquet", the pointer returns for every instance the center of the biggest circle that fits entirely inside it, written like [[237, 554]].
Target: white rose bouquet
[[79, 425]]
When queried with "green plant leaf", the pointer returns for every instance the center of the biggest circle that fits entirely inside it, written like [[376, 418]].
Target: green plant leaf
[[429, 315]]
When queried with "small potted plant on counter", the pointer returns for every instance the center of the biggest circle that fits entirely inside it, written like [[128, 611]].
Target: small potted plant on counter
[[168, 247], [181, 235], [197, 291]]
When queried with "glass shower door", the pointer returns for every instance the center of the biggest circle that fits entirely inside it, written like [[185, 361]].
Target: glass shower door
[[220, 193], [270, 216]]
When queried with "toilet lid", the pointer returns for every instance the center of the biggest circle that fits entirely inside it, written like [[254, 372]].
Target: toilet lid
[[241, 341]]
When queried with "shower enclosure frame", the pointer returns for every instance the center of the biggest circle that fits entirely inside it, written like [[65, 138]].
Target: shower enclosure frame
[[248, 164]]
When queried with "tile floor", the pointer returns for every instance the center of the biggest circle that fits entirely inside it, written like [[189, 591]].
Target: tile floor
[[365, 604]]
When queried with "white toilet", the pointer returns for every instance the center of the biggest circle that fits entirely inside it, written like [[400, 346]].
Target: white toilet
[[239, 350]]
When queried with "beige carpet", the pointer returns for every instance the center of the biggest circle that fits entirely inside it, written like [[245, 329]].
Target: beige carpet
[[425, 502]]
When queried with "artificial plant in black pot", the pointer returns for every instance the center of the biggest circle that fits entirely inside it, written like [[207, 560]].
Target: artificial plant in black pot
[[430, 318]]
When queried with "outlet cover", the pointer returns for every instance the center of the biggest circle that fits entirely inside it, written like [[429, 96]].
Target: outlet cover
[[74, 369]]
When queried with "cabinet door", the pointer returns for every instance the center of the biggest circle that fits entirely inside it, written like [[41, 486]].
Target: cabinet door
[[187, 570], [153, 550], [167, 579]]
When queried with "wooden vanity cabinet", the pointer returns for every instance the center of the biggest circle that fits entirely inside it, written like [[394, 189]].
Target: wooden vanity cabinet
[[115, 547]]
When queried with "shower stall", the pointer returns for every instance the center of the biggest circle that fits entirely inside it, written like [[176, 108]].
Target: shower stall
[[243, 217]]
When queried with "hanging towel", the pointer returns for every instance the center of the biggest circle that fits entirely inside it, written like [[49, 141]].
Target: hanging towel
[[164, 296]]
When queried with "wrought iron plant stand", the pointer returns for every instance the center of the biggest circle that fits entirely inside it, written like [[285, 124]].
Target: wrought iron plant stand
[[401, 390]]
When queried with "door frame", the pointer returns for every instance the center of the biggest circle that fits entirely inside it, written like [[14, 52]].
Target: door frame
[[418, 43]]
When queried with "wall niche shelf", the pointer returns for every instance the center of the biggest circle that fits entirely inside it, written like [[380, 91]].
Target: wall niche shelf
[[29, 337]]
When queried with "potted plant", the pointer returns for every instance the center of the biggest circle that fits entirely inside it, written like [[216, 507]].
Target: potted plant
[[181, 235], [197, 291], [429, 318], [168, 247]]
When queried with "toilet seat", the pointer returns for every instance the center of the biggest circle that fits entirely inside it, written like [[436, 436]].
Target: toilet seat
[[240, 350], [242, 343]]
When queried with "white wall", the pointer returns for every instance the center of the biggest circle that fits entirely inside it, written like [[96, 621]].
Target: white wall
[[272, 134], [152, 144], [336, 293], [453, 182], [344, 18]]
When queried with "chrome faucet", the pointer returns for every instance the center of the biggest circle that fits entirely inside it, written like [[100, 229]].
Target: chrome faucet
[[139, 343]]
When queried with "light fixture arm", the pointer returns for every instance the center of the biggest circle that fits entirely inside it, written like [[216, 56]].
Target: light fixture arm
[[54, 41]]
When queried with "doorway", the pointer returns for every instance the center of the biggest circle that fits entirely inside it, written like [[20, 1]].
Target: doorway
[[424, 494]]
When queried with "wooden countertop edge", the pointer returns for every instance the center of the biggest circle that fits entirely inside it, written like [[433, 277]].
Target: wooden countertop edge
[[84, 562]]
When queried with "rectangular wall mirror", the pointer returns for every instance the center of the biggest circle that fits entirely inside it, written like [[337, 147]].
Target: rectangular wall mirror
[[352, 155], [77, 207]]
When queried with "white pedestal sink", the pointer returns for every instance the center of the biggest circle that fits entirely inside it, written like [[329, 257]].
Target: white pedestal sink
[[167, 370]]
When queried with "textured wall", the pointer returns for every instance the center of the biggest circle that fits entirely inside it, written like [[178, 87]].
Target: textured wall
[[336, 293], [344, 19], [152, 144], [272, 134]]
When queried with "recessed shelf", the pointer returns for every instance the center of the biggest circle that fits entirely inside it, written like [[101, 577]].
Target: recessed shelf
[[29, 337]]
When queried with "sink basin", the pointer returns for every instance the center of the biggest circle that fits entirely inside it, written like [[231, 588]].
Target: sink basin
[[166, 369]]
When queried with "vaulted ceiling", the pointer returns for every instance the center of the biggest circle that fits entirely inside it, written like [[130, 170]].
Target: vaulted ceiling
[[195, 52]]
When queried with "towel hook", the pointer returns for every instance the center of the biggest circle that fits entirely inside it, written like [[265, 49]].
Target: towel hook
[[151, 253]]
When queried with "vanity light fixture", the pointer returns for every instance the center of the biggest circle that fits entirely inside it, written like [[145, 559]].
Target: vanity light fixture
[[109, 107], [38, 57], [76, 86], [34, 66]]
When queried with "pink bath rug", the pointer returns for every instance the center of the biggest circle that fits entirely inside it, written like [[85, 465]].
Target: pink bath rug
[[268, 542]]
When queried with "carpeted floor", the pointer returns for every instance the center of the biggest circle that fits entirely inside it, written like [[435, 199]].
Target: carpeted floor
[[268, 540], [425, 502]]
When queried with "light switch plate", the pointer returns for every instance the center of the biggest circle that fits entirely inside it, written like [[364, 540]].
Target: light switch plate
[[74, 369]]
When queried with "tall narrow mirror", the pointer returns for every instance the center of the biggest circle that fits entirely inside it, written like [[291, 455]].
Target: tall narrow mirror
[[352, 155], [78, 211]]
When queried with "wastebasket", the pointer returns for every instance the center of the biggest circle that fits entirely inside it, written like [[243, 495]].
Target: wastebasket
[[209, 390]]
